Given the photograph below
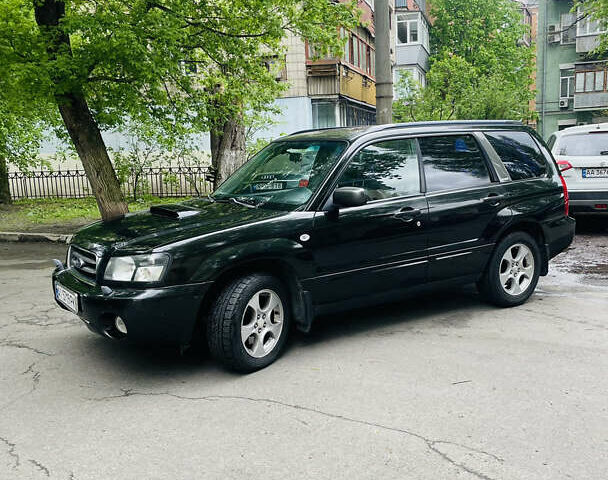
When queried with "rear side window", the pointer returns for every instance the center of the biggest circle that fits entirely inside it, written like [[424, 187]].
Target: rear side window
[[452, 162], [519, 153], [385, 170]]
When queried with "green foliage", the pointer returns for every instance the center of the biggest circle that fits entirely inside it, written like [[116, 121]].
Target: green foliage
[[26, 110], [479, 68], [596, 10], [128, 57], [63, 214]]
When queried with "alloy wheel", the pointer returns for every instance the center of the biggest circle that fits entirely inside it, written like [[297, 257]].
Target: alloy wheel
[[262, 323], [516, 269]]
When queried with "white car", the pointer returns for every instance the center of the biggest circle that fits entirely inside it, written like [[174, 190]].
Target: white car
[[582, 155]]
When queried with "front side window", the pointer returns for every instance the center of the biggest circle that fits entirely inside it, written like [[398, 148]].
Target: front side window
[[385, 170], [519, 153], [452, 162], [283, 176]]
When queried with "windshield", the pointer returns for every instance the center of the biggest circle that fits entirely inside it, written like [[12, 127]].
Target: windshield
[[283, 176], [584, 145]]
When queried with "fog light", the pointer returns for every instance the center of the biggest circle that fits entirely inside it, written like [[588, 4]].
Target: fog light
[[120, 325]]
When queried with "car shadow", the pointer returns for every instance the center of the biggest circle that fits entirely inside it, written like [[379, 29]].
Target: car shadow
[[590, 224], [437, 309]]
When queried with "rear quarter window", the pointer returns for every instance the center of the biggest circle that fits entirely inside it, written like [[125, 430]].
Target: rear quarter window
[[519, 153]]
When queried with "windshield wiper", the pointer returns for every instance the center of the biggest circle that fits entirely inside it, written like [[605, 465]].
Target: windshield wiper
[[239, 202]]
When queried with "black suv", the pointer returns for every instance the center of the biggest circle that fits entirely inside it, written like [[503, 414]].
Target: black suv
[[321, 221]]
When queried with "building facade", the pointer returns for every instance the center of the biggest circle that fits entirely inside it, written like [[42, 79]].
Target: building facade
[[411, 39], [330, 91], [571, 79]]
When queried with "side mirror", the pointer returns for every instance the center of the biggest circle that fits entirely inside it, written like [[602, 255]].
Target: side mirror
[[349, 197]]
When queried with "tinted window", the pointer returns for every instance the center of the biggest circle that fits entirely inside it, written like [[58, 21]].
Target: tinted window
[[452, 162], [584, 144], [519, 153], [384, 170]]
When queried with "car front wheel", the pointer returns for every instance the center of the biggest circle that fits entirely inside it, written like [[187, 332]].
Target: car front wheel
[[512, 272], [249, 323]]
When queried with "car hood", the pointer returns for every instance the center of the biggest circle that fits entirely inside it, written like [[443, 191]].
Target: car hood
[[165, 224]]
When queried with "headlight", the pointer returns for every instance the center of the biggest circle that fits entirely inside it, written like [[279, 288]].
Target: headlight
[[137, 268]]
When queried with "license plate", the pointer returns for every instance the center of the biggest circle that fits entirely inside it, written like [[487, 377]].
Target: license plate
[[66, 297], [595, 172], [268, 186]]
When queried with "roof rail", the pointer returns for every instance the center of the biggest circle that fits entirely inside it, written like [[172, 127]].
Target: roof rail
[[480, 123]]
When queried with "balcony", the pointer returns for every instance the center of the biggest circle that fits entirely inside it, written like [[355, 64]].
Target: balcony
[[590, 86], [332, 80]]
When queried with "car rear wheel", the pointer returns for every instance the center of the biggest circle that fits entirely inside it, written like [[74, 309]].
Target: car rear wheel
[[249, 323], [512, 272]]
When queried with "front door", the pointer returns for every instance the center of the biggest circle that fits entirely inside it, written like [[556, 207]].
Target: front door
[[378, 247]]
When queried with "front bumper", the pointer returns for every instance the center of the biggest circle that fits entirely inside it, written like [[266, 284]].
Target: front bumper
[[163, 315], [589, 202]]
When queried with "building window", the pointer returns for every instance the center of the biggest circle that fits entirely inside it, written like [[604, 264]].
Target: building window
[[566, 80], [568, 29], [590, 81], [323, 114], [407, 28], [588, 25]]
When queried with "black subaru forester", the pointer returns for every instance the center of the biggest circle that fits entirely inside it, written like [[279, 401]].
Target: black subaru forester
[[321, 221]]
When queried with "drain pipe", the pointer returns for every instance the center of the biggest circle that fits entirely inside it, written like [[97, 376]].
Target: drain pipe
[[544, 72]]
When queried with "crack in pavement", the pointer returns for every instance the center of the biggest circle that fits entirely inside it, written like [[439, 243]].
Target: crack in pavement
[[40, 467], [10, 343], [35, 375], [432, 445], [11, 452], [565, 319]]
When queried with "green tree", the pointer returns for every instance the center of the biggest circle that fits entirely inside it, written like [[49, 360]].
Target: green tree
[[480, 69], [25, 110], [179, 67]]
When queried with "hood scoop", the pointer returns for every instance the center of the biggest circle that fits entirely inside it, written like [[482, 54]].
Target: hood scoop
[[173, 211]]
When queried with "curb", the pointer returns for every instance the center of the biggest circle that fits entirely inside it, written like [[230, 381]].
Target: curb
[[35, 237]]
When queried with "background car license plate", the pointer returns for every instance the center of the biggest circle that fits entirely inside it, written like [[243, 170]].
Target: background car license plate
[[268, 186], [66, 297], [595, 172]]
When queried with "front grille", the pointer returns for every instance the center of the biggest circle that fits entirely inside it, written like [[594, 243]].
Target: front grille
[[83, 261]]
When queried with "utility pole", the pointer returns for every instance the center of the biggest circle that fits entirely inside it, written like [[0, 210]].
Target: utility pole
[[384, 74]]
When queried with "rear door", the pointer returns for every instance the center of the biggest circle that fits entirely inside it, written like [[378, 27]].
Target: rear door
[[378, 247], [463, 197]]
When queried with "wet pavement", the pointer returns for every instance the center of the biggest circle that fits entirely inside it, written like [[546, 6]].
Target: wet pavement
[[436, 387]]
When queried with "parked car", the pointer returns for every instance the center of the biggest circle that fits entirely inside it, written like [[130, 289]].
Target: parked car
[[582, 155], [353, 217]]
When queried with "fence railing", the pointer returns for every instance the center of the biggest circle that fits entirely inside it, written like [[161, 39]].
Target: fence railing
[[157, 181]]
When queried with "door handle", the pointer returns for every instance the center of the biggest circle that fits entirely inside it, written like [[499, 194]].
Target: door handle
[[408, 214], [494, 199]]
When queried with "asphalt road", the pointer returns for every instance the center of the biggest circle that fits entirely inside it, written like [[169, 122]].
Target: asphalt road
[[437, 387]]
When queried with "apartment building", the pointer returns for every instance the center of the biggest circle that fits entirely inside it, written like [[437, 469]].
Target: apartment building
[[571, 79], [411, 39], [330, 91]]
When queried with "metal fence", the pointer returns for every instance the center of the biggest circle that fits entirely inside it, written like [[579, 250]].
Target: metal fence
[[157, 181]]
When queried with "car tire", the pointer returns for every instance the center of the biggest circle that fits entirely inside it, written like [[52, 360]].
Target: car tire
[[249, 323], [512, 271]]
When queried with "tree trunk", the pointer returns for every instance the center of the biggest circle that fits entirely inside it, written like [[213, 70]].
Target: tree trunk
[[228, 150], [5, 193], [78, 119]]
